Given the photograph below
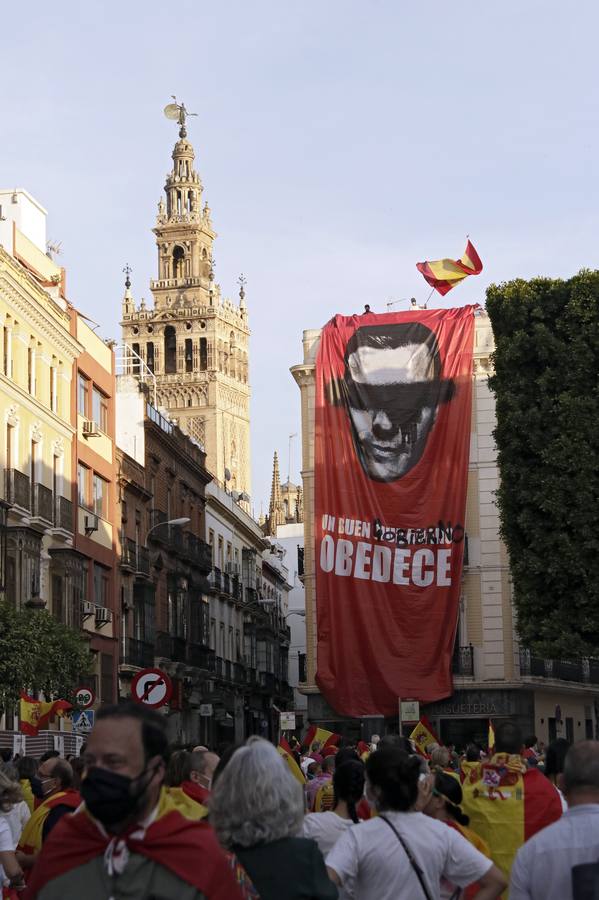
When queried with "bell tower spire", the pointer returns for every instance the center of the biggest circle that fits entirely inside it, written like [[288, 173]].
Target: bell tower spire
[[194, 340]]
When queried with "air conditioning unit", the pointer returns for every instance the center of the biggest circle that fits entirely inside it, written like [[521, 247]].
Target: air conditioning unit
[[90, 523], [103, 615], [90, 429], [87, 609]]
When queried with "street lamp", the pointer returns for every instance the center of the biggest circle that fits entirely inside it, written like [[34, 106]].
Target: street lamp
[[184, 520], [296, 612]]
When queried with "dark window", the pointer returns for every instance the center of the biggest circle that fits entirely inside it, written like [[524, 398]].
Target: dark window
[[178, 259], [301, 660], [188, 355], [100, 585], [136, 354], [150, 355], [203, 354], [170, 350]]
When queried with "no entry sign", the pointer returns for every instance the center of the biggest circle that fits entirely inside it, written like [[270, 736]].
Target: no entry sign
[[152, 687]]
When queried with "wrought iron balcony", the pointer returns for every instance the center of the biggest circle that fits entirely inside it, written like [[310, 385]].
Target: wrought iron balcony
[[215, 579], [201, 657], [16, 489], [171, 647], [63, 514], [196, 550], [159, 530], [226, 588], [267, 682], [138, 653], [228, 670], [580, 671], [219, 667], [42, 503], [463, 661], [239, 673]]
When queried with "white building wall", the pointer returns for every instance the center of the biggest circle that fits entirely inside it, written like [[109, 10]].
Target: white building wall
[[290, 537]]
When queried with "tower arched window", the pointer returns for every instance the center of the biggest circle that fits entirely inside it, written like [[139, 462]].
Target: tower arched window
[[150, 355], [203, 354], [170, 349], [178, 262], [188, 355]]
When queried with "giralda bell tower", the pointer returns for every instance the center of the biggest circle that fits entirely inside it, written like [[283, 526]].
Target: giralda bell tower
[[194, 340]]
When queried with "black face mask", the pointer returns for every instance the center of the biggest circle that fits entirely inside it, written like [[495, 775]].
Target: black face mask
[[36, 787], [111, 797]]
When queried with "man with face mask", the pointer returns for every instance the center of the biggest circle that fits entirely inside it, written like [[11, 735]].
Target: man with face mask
[[53, 787], [130, 840]]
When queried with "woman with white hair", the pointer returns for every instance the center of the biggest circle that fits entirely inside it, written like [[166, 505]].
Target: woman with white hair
[[257, 810]]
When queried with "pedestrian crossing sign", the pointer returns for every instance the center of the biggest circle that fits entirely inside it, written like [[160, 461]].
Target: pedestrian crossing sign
[[83, 721]]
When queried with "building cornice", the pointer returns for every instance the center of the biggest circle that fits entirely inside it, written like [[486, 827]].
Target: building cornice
[[20, 296]]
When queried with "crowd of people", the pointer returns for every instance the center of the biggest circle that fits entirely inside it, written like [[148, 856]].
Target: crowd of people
[[134, 819]]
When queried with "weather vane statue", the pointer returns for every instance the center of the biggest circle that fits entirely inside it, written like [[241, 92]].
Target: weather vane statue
[[178, 112]]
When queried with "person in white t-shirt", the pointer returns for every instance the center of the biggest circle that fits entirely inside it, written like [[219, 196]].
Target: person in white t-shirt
[[10, 871], [403, 854], [327, 827], [16, 814]]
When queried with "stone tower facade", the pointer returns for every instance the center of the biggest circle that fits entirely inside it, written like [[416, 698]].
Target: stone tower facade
[[194, 340]]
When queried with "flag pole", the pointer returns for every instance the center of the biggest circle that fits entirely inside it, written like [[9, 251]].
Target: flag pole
[[428, 298]]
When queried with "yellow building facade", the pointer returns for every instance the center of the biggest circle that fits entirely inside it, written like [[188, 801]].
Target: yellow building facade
[[494, 678], [37, 353]]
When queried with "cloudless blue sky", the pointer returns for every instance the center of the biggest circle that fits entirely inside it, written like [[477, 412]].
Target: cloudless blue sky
[[339, 143]]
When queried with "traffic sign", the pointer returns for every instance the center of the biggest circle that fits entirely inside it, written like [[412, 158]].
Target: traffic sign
[[287, 721], [152, 687], [409, 711], [83, 720], [205, 709], [84, 697]]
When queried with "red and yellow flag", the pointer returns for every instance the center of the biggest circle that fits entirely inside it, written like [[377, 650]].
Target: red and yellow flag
[[508, 803], [444, 274], [35, 714], [423, 735], [325, 738], [285, 751]]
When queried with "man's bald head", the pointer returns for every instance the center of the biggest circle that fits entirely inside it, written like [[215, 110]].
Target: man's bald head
[[581, 773], [202, 765], [56, 774]]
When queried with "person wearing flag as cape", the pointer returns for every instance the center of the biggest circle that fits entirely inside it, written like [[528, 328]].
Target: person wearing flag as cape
[[129, 839], [57, 798]]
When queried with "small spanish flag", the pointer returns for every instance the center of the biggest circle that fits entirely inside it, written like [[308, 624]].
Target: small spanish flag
[[315, 734], [285, 751], [35, 714], [423, 735], [491, 738], [444, 274]]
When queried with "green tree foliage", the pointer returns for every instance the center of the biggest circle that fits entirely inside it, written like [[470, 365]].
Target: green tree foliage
[[38, 653], [546, 385]]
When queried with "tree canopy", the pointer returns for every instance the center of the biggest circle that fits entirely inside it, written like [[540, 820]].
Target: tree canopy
[[38, 653], [546, 385]]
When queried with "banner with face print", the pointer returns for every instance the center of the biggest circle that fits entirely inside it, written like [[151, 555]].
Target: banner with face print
[[392, 437]]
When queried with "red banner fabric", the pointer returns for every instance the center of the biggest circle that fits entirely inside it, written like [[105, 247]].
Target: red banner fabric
[[392, 437]]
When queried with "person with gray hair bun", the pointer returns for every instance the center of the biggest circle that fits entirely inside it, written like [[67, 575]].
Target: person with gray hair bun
[[257, 810]]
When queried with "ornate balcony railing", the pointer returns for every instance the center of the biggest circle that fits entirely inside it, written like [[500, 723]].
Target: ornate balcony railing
[[17, 489], [42, 503], [581, 671], [463, 661], [201, 657], [171, 647], [138, 653], [63, 514]]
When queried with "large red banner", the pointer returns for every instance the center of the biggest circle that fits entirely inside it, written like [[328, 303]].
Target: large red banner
[[392, 437]]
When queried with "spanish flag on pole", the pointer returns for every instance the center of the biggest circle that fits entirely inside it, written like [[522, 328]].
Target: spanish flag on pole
[[321, 735], [35, 714], [287, 754], [444, 274], [423, 735]]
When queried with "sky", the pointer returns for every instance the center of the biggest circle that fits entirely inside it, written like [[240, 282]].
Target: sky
[[339, 143]]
